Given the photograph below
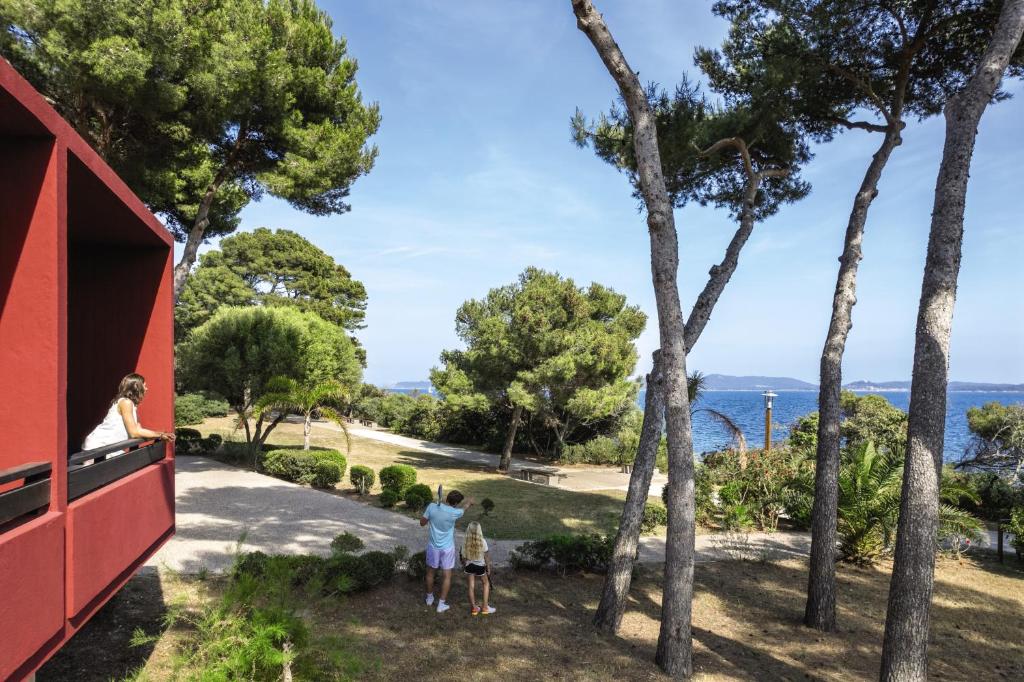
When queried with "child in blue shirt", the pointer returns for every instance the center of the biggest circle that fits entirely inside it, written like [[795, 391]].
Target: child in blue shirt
[[441, 520]]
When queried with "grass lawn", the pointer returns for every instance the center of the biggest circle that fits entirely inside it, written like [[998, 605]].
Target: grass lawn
[[523, 511], [746, 625]]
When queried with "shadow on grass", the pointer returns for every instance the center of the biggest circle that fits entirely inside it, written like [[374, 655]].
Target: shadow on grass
[[747, 621], [102, 649]]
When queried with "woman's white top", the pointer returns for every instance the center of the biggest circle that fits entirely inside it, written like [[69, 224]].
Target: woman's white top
[[111, 430]]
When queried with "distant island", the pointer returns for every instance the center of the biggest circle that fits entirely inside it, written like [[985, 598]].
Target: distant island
[[726, 382]]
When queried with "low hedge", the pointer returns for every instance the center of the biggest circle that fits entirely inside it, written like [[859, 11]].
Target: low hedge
[[565, 553], [654, 515], [319, 468], [389, 498], [397, 477]]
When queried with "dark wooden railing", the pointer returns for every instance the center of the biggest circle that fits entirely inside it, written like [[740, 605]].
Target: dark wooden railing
[[93, 469], [33, 494]]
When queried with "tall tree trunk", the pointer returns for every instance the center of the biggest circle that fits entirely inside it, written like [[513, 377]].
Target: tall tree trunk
[[620, 570], [905, 647], [674, 654], [820, 610], [202, 220], [307, 426], [193, 242], [616, 584], [510, 440]]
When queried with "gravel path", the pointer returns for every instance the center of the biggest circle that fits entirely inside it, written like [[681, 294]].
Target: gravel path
[[217, 504]]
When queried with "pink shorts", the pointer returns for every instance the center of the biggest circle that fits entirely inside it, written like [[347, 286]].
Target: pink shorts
[[441, 558]]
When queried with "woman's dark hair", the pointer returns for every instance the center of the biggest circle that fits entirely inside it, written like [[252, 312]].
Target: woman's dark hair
[[132, 387], [454, 498]]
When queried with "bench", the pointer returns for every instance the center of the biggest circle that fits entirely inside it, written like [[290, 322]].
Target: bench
[[542, 476]]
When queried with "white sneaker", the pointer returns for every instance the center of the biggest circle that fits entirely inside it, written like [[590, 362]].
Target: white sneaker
[[430, 599], [488, 611], [442, 606]]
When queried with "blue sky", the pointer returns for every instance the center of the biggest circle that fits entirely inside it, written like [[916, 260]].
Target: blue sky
[[478, 178]]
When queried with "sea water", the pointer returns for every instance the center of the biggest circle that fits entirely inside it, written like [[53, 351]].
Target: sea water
[[746, 409]]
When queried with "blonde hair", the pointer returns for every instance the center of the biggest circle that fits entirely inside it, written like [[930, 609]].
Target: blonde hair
[[473, 547]]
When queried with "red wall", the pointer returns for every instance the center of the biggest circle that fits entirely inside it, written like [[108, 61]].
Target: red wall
[[85, 298]]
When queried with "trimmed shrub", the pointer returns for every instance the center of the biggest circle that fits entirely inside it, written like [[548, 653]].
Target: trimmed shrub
[[330, 456], [418, 496], [488, 505], [417, 566], [185, 435], [654, 515], [397, 477], [291, 465], [565, 553], [389, 498], [251, 564], [362, 477], [346, 542], [325, 474]]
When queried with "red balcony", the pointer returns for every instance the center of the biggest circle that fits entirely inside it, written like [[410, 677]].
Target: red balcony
[[85, 298]]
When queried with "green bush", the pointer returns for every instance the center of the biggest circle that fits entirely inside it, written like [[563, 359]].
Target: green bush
[[319, 468], [389, 498], [373, 569], [291, 465], [193, 408], [1016, 527], [184, 435], [326, 474], [599, 450], [418, 496], [397, 478], [488, 505], [654, 515], [331, 456], [565, 553], [346, 542], [417, 566], [362, 477], [737, 517]]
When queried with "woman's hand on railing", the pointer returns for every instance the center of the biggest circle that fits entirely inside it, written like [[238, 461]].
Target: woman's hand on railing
[[167, 436]]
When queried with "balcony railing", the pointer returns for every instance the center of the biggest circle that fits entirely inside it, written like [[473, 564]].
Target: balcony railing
[[93, 469], [33, 494]]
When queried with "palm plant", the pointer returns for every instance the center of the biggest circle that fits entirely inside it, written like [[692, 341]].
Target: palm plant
[[696, 385], [287, 396], [870, 485]]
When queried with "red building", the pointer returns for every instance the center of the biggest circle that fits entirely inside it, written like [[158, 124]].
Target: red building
[[85, 298]]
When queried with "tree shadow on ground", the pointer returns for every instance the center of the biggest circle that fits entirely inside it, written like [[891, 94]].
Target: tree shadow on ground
[[747, 621], [102, 649]]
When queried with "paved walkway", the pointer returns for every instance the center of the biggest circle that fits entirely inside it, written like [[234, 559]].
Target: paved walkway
[[579, 478], [217, 504]]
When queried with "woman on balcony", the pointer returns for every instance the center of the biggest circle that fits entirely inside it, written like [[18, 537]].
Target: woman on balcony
[[122, 421]]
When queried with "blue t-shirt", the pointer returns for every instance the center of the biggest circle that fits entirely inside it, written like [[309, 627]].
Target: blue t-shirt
[[441, 521]]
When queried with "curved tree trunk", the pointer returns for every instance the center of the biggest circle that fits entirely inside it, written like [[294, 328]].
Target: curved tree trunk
[[820, 611], [193, 242], [510, 439], [616, 584], [620, 570], [674, 654], [905, 647]]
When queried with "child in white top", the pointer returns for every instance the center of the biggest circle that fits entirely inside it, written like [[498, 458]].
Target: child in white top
[[477, 562]]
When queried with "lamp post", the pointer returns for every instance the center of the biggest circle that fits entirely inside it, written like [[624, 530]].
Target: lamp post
[[768, 395]]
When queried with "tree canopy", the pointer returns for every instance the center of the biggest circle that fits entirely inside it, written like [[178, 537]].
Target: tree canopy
[[547, 347], [204, 107], [274, 268], [997, 442], [239, 351]]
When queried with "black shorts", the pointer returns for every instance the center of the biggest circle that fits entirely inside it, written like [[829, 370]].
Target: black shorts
[[474, 569]]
